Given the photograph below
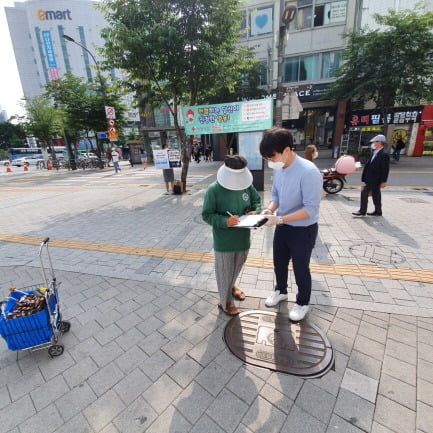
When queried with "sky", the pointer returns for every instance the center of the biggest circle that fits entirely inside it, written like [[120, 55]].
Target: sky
[[10, 85]]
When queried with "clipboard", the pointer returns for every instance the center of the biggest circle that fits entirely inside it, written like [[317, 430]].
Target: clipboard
[[251, 222]]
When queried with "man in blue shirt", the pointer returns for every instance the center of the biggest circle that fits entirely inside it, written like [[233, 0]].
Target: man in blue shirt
[[296, 195]]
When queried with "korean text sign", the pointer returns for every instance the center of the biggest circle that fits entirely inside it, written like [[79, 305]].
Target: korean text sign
[[231, 117]]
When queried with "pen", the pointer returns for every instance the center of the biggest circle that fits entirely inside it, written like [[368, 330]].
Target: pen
[[229, 213]]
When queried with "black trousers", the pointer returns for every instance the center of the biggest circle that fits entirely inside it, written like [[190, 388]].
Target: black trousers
[[375, 195], [296, 244]]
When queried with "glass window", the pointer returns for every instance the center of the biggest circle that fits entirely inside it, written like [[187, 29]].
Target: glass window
[[305, 17], [309, 68], [290, 69], [263, 73], [318, 15], [330, 63]]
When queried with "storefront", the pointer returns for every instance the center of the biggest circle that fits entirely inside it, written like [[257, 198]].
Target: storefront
[[314, 123], [361, 126]]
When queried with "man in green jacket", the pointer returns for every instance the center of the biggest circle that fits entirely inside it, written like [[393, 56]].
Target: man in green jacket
[[226, 199]]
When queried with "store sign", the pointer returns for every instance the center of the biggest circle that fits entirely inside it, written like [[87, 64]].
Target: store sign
[[54, 15], [242, 116], [311, 92], [49, 51], [397, 117]]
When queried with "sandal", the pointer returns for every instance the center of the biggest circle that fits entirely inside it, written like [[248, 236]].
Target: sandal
[[238, 294], [231, 310]]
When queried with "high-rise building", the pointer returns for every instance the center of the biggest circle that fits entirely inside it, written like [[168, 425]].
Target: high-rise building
[[41, 52]]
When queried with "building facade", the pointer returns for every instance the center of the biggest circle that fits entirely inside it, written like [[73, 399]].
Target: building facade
[[42, 54], [311, 53]]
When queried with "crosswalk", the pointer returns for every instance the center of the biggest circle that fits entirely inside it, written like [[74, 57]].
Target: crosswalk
[[151, 176]]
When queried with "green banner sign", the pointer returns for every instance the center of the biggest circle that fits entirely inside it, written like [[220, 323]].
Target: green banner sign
[[231, 117]]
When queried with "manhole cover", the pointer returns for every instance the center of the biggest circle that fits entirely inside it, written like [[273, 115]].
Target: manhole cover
[[376, 254], [270, 340]]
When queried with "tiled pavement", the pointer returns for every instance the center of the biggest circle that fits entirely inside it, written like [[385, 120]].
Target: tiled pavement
[[145, 350]]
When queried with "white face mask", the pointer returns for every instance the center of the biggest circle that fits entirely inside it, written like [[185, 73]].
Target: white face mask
[[373, 146], [278, 165]]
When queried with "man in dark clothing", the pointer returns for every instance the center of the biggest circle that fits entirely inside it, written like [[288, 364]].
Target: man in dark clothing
[[374, 175], [399, 146]]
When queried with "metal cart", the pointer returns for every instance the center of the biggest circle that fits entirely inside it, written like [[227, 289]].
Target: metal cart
[[41, 329]]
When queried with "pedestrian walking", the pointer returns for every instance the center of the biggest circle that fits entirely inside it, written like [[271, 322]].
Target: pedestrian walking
[[168, 175], [375, 176], [115, 158], [398, 147], [143, 158], [296, 195], [231, 196]]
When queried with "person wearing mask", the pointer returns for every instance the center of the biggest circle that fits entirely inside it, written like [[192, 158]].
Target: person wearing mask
[[375, 176], [311, 153], [296, 194], [231, 196]]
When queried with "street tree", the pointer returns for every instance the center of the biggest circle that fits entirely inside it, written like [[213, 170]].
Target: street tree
[[83, 105], [42, 120], [11, 135], [176, 52], [389, 66]]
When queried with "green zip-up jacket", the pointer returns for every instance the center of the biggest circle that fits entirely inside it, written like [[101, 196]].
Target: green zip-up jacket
[[217, 202]]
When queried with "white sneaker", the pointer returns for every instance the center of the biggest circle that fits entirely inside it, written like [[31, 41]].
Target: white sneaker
[[298, 312], [275, 298]]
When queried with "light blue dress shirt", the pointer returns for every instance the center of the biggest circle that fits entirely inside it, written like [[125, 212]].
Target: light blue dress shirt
[[298, 186]]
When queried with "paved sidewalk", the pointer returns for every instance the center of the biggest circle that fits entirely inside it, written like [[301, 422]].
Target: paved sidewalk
[[145, 351]]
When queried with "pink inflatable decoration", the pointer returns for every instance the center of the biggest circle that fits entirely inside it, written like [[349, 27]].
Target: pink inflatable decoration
[[345, 164]]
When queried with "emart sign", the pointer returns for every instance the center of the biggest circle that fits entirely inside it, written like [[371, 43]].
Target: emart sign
[[54, 15]]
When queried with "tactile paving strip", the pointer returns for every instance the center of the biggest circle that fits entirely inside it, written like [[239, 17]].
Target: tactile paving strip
[[270, 340], [371, 271]]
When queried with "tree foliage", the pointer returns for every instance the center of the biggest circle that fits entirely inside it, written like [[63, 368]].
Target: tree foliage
[[390, 66], [43, 120], [82, 104], [11, 135], [175, 52]]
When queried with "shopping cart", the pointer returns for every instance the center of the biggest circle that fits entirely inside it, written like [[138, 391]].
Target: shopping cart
[[30, 317]]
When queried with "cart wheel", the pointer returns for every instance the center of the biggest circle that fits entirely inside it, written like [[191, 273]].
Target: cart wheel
[[64, 326], [55, 350]]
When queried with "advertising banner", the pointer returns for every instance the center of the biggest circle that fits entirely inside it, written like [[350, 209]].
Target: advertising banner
[[231, 117]]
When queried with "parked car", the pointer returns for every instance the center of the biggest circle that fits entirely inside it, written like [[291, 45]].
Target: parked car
[[32, 160]]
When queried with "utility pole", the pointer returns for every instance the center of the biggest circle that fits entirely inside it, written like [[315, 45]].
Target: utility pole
[[287, 15]]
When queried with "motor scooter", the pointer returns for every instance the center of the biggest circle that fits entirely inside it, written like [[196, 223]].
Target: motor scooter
[[333, 181]]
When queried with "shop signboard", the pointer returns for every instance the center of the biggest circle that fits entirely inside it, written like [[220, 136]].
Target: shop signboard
[[397, 116], [240, 116]]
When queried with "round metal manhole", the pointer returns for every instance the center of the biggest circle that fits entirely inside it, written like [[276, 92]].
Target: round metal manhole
[[271, 340], [374, 253]]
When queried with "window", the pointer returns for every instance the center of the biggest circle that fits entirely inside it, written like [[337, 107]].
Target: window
[[325, 12], [263, 73], [290, 68], [311, 67], [330, 63]]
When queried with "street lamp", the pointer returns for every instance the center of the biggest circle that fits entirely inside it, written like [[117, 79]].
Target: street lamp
[[98, 73]]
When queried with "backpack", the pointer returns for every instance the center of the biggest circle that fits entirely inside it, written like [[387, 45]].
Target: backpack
[[177, 187]]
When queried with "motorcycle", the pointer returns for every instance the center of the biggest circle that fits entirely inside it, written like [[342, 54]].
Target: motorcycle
[[333, 181]]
